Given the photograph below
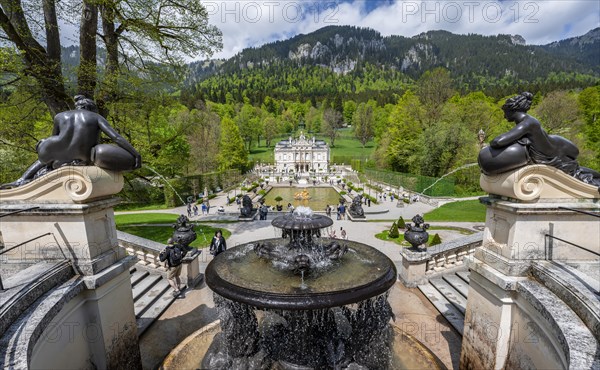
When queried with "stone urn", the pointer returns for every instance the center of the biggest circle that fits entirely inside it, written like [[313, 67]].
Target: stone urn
[[184, 232], [417, 234]]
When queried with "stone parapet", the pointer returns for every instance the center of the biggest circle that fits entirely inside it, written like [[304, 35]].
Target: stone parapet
[[147, 252], [418, 267]]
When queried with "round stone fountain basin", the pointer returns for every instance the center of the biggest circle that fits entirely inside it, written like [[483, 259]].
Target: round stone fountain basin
[[408, 353], [240, 275]]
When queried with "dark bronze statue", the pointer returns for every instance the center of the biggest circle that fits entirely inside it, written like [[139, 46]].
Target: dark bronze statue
[[528, 143], [247, 210], [75, 142], [356, 209]]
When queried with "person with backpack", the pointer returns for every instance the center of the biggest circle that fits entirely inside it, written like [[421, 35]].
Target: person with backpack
[[172, 256], [218, 244]]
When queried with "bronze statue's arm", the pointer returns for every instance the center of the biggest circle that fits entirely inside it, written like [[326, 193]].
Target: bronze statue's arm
[[510, 137], [119, 140]]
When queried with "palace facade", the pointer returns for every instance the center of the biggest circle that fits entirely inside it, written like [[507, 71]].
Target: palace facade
[[301, 155]]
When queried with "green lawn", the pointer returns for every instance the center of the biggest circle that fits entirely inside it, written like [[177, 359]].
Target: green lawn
[[145, 218], [139, 207], [463, 211], [399, 240], [131, 224]]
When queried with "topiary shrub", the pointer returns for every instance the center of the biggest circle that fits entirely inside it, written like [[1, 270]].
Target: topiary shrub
[[435, 240], [394, 231], [401, 223]]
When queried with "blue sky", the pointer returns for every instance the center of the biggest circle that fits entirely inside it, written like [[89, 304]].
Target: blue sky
[[253, 23]]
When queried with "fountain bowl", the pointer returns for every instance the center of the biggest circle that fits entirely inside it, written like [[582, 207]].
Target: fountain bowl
[[240, 275]]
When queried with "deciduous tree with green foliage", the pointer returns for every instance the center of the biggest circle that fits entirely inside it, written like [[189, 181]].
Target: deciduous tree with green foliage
[[332, 121], [362, 123], [232, 151], [133, 34]]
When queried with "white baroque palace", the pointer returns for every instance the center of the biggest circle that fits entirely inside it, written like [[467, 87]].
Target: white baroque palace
[[301, 155]]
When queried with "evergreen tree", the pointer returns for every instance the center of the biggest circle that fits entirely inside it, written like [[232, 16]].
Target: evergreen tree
[[435, 240], [401, 223], [393, 233]]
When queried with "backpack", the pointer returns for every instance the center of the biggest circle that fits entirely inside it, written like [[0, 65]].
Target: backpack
[[176, 257]]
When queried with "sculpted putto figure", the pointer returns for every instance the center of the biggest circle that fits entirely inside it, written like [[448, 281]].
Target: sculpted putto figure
[[528, 143], [75, 141]]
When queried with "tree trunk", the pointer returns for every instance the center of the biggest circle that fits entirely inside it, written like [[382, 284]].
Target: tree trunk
[[108, 87], [42, 65], [86, 74]]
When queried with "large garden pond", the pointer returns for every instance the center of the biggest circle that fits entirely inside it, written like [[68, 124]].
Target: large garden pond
[[314, 197]]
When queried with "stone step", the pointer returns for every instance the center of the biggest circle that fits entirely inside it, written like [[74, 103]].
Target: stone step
[[587, 272], [447, 309], [137, 276], [27, 286], [148, 298], [142, 287], [463, 275], [563, 323], [154, 311], [568, 285], [451, 294], [457, 283]]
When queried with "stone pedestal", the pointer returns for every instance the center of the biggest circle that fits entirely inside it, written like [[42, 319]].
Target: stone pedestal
[[525, 210], [68, 215]]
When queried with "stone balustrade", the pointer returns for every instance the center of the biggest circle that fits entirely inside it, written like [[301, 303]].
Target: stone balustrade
[[147, 253], [418, 267]]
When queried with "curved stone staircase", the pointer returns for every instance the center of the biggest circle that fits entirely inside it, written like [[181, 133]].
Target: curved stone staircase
[[565, 297]]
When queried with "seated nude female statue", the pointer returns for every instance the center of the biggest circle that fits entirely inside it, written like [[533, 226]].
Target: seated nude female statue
[[528, 143], [75, 141]]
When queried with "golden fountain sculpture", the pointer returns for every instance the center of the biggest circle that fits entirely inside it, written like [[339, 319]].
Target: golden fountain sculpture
[[302, 195]]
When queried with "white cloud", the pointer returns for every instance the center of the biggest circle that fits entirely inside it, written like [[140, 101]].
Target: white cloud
[[253, 23]]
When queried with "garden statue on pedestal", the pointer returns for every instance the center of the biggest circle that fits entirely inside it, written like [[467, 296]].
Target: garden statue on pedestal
[[75, 141], [356, 209], [246, 210], [184, 232], [527, 143], [417, 234]]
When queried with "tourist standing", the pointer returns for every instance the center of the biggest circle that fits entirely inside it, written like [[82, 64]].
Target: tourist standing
[[369, 201], [172, 256], [195, 209], [218, 244], [203, 206], [342, 233], [342, 211]]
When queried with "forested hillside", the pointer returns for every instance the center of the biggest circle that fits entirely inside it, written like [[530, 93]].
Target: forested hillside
[[362, 64]]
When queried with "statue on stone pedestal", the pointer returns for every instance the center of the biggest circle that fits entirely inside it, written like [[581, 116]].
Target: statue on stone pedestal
[[527, 143], [416, 234], [356, 209], [246, 210], [75, 142]]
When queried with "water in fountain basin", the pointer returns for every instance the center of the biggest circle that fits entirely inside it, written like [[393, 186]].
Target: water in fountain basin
[[166, 182], [448, 174]]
